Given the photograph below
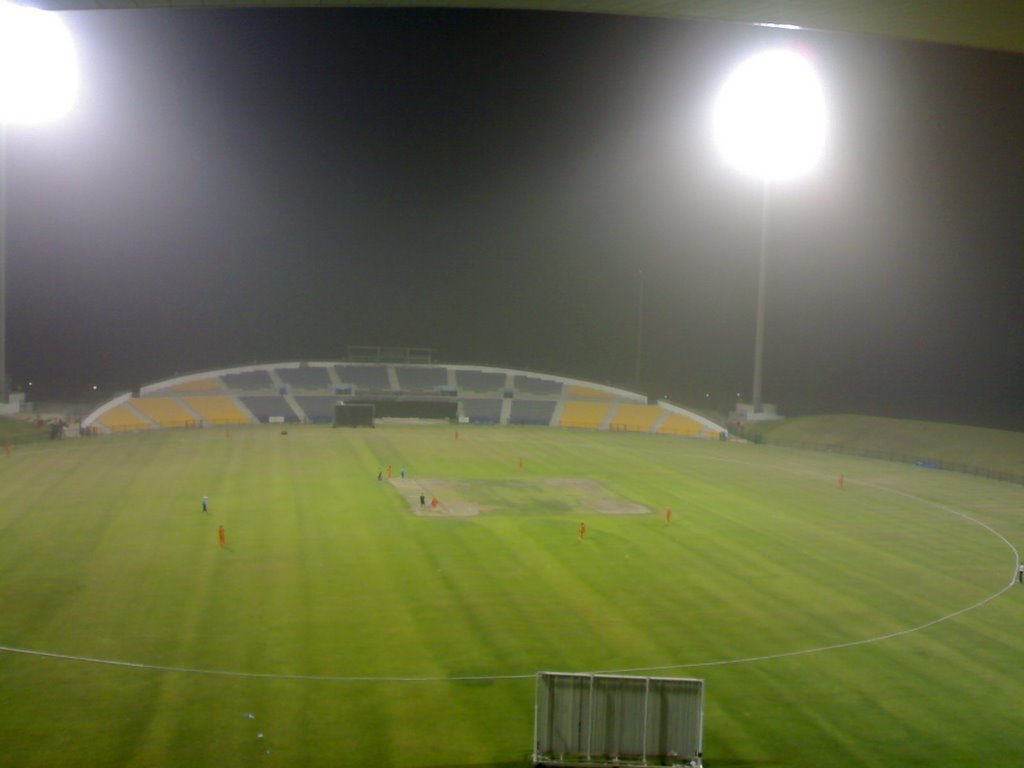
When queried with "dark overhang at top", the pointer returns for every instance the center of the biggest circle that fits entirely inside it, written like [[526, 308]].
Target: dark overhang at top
[[992, 24]]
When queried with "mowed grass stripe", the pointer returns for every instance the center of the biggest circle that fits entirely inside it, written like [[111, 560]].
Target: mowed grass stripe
[[718, 548], [59, 555], [328, 572], [281, 558]]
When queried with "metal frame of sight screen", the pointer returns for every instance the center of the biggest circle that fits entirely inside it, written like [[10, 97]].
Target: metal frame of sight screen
[[594, 720]]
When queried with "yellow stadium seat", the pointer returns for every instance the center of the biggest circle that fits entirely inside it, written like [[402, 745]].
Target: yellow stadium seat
[[635, 418], [121, 418], [167, 412], [584, 415], [578, 392], [677, 424], [218, 409]]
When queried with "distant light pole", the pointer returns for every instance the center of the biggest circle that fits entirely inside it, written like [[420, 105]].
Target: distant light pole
[[38, 83], [770, 121], [639, 323]]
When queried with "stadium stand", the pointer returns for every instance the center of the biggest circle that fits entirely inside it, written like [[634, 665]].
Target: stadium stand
[[318, 409], [122, 418], [578, 392], [218, 409], [413, 378], [369, 378], [294, 392], [531, 385], [629, 417], [482, 410], [584, 415], [248, 381], [305, 379], [677, 424], [479, 381], [197, 385], [166, 412], [535, 412], [266, 407]]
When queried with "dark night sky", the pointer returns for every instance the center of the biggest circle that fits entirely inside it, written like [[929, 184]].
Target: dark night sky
[[238, 186]]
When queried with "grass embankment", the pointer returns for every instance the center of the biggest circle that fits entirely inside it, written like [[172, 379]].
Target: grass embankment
[[293, 645], [990, 452]]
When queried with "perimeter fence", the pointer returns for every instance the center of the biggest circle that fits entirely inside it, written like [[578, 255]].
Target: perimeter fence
[[903, 458]]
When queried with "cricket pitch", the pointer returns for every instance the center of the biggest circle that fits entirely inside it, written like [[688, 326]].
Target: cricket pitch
[[466, 498]]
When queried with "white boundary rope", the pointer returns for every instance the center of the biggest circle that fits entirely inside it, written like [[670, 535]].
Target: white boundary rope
[[866, 641], [532, 675]]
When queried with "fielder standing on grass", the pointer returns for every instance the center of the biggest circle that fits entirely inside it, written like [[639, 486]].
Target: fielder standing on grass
[[205, 502], [1020, 573]]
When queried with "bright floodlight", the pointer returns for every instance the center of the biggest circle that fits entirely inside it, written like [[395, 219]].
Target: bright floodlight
[[38, 70], [769, 118]]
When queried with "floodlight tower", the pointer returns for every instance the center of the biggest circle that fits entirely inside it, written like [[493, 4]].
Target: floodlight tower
[[38, 83], [770, 121]]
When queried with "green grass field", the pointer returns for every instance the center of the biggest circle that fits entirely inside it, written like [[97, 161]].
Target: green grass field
[[17, 432], [870, 626]]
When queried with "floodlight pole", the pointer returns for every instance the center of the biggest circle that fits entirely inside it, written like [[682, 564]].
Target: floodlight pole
[[759, 335], [639, 323], [49, 50], [769, 121], [3, 263]]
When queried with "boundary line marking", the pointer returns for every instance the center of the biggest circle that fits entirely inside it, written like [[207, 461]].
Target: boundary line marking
[[532, 675]]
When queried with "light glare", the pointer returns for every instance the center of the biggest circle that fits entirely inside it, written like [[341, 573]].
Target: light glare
[[769, 119], [38, 68]]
